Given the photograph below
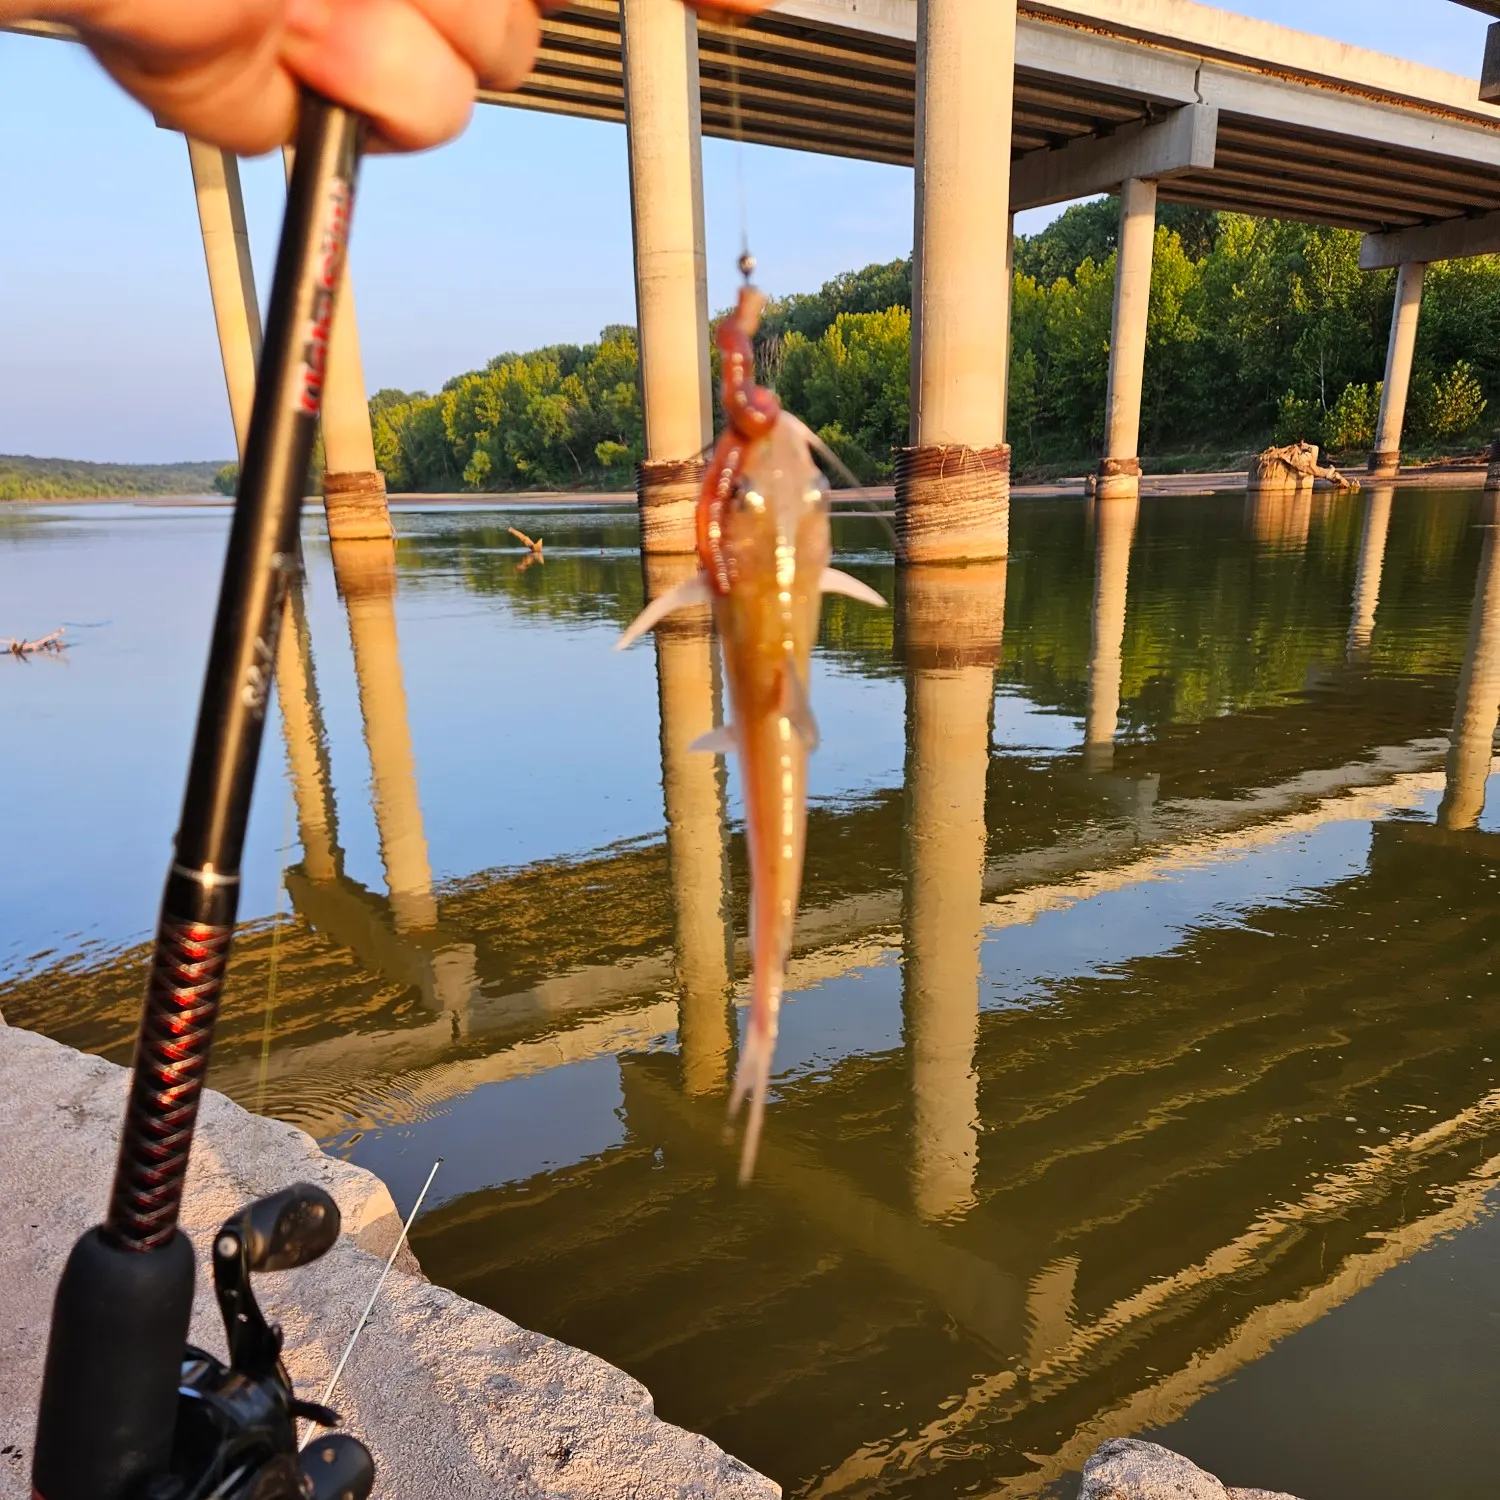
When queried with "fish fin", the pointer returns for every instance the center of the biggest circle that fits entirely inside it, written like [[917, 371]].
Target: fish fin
[[752, 1080], [795, 706], [718, 741], [835, 582], [696, 590]]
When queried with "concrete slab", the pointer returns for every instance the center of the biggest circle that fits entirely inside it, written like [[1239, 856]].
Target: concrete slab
[[453, 1399]]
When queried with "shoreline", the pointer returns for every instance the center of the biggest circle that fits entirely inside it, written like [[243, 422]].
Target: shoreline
[[1458, 476]]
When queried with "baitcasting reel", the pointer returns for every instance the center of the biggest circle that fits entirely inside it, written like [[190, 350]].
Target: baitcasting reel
[[237, 1423]]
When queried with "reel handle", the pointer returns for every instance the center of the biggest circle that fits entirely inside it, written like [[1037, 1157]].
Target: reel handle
[[287, 1229], [338, 1467]]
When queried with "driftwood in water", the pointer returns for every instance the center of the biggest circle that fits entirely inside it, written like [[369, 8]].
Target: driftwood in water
[[1294, 467], [53, 642], [520, 536]]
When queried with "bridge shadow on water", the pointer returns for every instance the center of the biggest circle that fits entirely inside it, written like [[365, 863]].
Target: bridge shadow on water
[[1142, 1011]]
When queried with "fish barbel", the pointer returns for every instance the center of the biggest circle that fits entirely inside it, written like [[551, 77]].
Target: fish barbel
[[764, 542]]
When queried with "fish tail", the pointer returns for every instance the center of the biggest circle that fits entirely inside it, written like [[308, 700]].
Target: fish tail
[[752, 1078]]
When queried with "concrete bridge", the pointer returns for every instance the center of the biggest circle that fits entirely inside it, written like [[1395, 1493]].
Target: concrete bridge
[[998, 107]]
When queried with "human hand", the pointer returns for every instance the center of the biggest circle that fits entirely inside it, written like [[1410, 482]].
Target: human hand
[[228, 71]]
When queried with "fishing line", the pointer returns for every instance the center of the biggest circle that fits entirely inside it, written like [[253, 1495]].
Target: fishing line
[[737, 132], [364, 1317]]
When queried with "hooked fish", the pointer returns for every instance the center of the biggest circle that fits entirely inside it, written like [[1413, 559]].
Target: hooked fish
[[764, 546]]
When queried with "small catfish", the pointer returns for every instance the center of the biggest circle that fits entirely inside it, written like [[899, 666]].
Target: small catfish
[[764, 545]]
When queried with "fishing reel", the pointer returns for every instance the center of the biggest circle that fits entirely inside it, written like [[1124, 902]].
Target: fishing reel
[[236, 1435]]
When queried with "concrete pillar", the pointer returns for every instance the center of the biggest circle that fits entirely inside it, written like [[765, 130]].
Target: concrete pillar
[[1114, 531], [353, 487], [1005, 340], [1120, 468], [366, 573], [1371, 565], [231, 276], [306, 744], [697, 839], [1385, 461], [951, 624], [663, 129], [1472, 743], [953, 482]]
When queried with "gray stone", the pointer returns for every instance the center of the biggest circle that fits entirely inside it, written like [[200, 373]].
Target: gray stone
[[1129, 1469], [453, 1399]]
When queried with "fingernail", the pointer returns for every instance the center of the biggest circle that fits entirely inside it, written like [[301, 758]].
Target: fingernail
[[309, 18]]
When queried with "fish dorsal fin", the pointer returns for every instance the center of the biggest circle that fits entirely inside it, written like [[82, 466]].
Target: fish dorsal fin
[[795, 706], [718, 741], [696, 590], [835, 582]]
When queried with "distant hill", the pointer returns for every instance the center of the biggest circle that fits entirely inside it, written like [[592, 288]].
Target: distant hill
[[26, 478]]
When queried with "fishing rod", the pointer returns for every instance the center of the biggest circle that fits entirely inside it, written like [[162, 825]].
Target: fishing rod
[[129, 1411]]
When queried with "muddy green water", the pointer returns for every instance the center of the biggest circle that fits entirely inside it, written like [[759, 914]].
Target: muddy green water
[[1139, 1069]]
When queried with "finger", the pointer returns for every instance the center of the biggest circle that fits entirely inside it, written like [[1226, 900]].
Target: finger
[[385, 59], [498, 38], [729, 7], [241, 102]]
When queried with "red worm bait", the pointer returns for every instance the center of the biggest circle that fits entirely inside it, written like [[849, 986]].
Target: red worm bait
[[751, 412]]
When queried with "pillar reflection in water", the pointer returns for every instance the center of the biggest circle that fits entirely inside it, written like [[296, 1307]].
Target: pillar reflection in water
[[1473, 740], [1114, 532], [951, 623], [306, 743], [366, 573], [693, 789], [1372, 542]]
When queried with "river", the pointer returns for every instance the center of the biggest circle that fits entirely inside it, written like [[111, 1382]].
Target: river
[[1139, 1068]]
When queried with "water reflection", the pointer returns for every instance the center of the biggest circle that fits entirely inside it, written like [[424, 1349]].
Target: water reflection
[[1372, 541], [693, 787], [1077, 1113], [1473, 738], [1114, 531], [1280, 519], [952, 624]]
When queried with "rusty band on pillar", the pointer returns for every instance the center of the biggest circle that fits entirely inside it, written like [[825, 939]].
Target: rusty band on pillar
[[355, 503], [948, 618], [667, 490], [952, 503], [1119, 468], [1384, 463]]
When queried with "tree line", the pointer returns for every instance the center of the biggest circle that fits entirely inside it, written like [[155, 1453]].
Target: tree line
[[1260, 330]]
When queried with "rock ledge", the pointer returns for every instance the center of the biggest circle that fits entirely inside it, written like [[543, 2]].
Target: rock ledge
[[453, 1399]]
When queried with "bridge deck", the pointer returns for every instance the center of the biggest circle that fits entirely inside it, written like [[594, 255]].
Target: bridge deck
[[1309, 129]]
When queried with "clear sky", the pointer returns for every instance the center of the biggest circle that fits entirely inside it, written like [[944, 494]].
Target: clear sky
[[517, 235]]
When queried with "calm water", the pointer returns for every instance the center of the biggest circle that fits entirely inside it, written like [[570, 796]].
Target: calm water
[[1140, 1072]]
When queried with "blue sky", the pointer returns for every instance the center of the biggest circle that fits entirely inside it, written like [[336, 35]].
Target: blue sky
[[517, 235]]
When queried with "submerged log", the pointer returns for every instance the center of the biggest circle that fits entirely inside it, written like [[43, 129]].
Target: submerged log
[[1294, 467], [53, 642]]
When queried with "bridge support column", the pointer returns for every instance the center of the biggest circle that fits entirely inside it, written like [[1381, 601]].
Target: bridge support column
[[697, 851], [663, 132], [1120, 468], [1385, 461], [353, 487], [231, 276], [952, 625], [953, 482], [366, 572], [1371, 565], [1114, 522], [1472, 747]]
